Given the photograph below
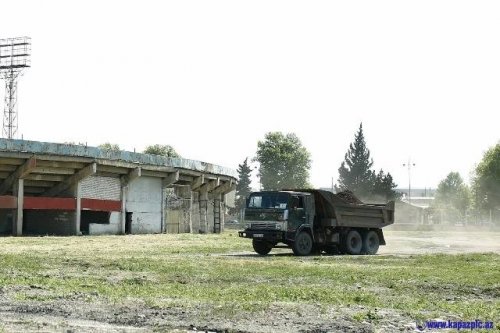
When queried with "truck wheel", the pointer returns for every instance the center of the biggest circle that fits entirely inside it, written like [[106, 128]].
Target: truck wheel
[[353, 242], [303, 244], [261, 247], [371, 242]]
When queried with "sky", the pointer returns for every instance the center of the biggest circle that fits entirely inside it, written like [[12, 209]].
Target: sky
[[211, 78]]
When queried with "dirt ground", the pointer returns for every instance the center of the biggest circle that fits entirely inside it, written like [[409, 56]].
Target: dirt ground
[[67, 317], [75, 315]]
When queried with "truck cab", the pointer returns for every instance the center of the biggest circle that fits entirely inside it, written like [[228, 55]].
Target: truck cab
[[273, 217]]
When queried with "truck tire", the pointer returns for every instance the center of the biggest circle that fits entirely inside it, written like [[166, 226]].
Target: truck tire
[[371, 242], [261, 247], [353, 242], [303, 244]]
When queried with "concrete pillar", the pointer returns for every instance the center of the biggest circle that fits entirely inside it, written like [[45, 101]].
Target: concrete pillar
[[17, 222], [189, 210], [187, 206], [123, 197], [203, 201], [185, 193], [78, 213], [163, 223]]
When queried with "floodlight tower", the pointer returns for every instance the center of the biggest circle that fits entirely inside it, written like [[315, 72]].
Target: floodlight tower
[[14, 58]]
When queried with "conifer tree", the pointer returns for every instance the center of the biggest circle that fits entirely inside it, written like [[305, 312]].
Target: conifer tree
[[243, 188], [355, 172]]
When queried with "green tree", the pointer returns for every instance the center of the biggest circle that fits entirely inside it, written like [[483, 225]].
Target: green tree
[[486, 182], [162, 150], [453, 194], [243, 188], [284, 162], [384, 186], [109, 146], [355, 172]]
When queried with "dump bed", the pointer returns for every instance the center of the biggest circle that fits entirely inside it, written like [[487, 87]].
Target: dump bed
[[345, 210]]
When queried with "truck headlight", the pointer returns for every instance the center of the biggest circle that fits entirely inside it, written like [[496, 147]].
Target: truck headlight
[[248, 226], [278, 226]]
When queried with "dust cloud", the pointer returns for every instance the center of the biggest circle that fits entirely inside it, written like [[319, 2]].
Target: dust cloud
[[441, 241]]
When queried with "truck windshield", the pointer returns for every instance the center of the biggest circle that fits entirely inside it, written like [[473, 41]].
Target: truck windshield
[[268, 200]]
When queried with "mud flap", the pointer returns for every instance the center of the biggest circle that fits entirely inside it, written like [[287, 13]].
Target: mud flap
[[380, 236]]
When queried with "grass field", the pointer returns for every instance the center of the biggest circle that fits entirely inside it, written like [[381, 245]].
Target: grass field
[[165, 282]]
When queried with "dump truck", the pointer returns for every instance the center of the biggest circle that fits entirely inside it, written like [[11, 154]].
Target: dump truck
[[314, 221]]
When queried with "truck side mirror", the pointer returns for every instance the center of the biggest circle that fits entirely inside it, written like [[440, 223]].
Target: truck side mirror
[[285, 215]]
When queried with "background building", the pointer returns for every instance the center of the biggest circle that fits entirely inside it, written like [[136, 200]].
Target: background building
[[64, 189]]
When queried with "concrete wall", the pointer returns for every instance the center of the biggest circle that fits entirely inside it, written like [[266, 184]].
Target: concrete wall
[[210, 215], [113, 228], [196, 214], [230, 199], [178, 218], [49, 222], [144, 198]]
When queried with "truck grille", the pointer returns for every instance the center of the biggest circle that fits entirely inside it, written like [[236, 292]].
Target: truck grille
[[264, 226]]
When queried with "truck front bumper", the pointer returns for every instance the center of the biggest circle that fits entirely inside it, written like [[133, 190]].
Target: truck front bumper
[[266, 235]]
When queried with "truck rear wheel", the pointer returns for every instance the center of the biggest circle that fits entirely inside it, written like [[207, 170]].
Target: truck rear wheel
[[303, 244], [353, 242], [371, 242], [261, 247]]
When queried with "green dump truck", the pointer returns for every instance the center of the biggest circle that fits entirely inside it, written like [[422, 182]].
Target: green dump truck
[[311, 221]]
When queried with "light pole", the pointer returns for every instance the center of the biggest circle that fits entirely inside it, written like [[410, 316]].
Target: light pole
[[409, 164]]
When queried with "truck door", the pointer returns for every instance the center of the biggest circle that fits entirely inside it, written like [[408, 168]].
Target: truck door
[[297, 214]]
